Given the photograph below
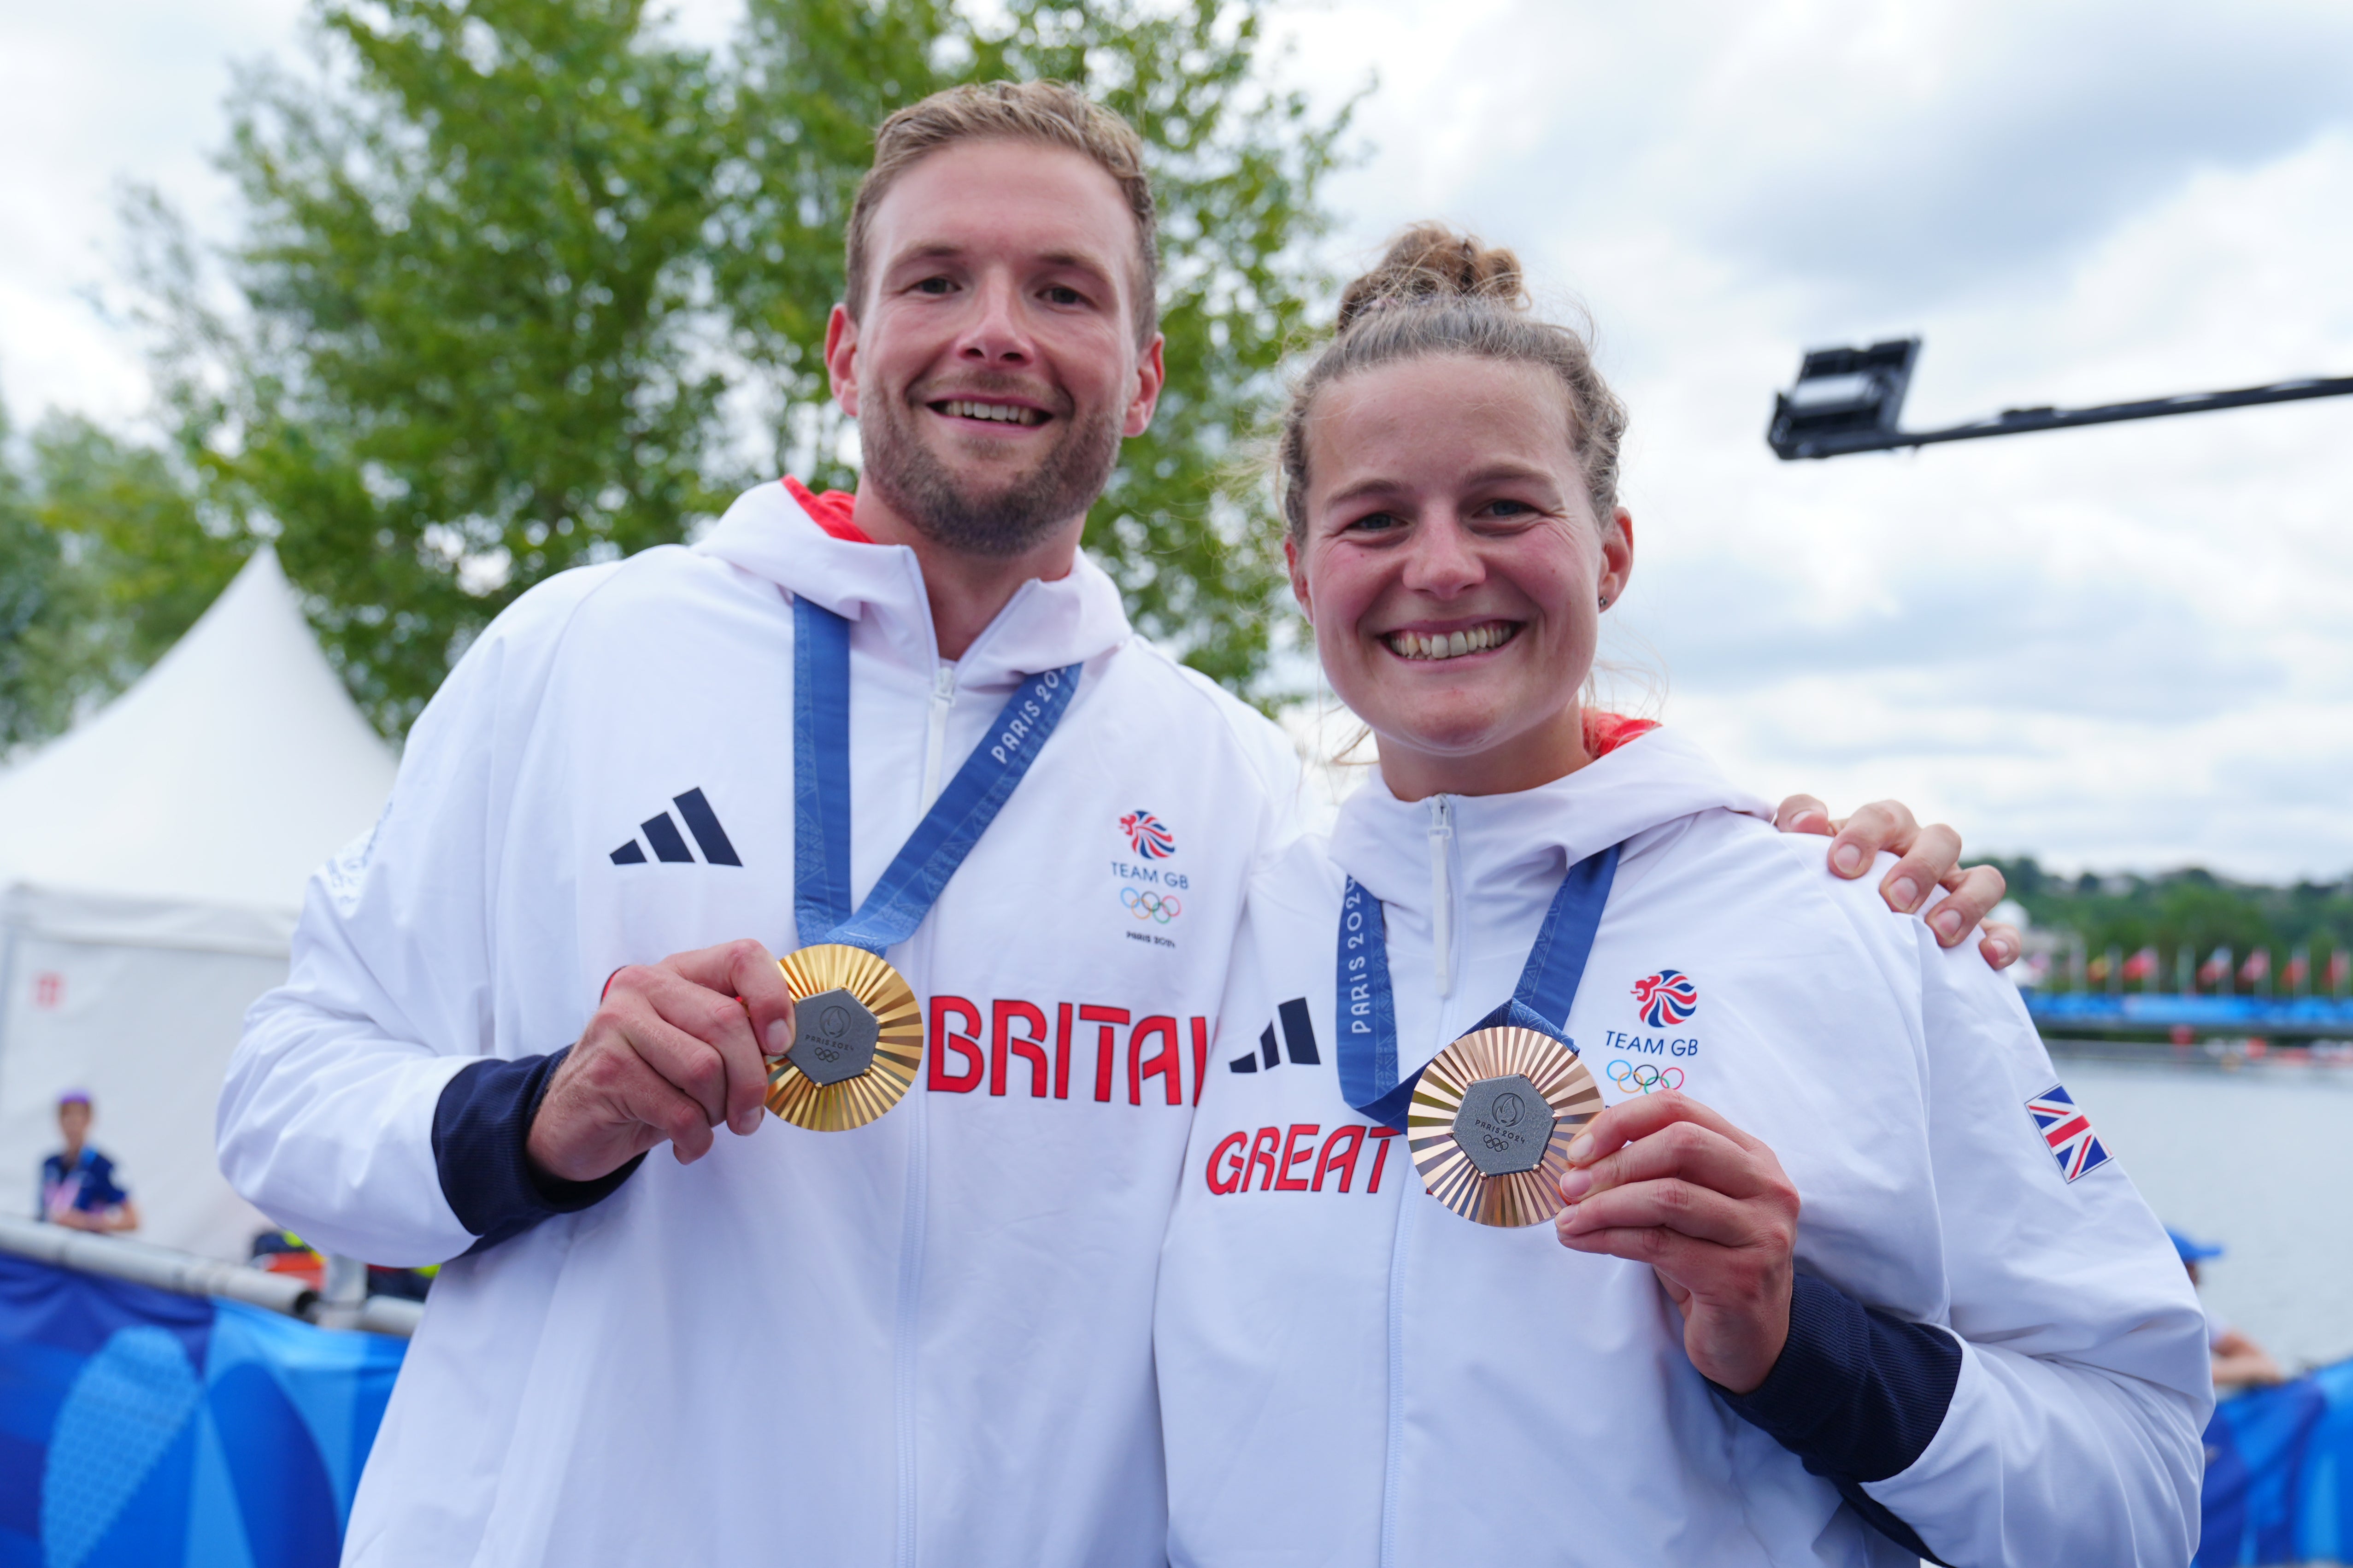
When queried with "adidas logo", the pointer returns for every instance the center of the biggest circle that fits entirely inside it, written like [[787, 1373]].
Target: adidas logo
[[1298, 1036], [661, 831]]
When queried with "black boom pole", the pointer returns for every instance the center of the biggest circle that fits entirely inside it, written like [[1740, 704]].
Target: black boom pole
[[1851, 400]]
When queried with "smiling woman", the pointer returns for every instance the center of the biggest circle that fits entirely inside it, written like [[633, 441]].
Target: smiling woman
[[1814, 1288], [1456, 513]]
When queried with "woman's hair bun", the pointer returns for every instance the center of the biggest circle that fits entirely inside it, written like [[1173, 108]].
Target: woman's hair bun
[[1431, 262]]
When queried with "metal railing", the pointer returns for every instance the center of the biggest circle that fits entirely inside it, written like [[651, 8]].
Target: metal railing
[[119, 1258]]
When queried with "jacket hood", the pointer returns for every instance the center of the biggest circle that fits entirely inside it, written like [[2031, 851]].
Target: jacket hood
[[1385, 843], [881, 586]]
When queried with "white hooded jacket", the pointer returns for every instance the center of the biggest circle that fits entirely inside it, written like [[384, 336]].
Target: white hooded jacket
[[926, 1341], [1352, 1375]]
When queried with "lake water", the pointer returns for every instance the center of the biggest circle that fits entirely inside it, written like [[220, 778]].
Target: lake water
[[2259, 1160]]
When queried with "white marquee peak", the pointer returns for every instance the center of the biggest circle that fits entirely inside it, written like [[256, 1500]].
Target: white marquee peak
[[225, 775]]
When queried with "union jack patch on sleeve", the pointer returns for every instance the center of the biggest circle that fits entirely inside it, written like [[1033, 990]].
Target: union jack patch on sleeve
[[2068, 1132]]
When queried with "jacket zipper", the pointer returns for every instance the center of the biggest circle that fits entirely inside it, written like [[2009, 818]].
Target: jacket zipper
[[914, 1215], [1442, 890], [1441, 933], [935, 743], [914, 1219], [1393, 1447]]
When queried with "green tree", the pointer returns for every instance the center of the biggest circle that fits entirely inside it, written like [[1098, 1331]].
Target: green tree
[[104, 563], [505, 276], [147, 561], [36, 610], [2191, 909], [467, 356]]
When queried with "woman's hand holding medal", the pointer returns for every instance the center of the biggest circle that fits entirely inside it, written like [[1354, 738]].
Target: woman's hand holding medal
[[675, 1050], [1665, 1181]]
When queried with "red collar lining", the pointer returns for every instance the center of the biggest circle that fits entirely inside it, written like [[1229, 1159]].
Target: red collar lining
[[830, 511]]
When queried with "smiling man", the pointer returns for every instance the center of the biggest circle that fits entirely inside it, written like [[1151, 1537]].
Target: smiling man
[[925, 1340]]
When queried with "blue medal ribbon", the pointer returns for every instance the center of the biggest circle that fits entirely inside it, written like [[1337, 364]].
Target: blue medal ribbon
[[918, 873], [1366, 1008]]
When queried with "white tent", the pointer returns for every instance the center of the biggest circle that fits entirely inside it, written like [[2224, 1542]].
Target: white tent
[[151, 863]]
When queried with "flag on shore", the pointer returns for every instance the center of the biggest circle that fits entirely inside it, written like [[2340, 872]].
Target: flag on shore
[[2216, 970]]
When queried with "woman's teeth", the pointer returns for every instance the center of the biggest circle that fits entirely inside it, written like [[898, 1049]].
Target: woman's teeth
[[1004, 412], [1452, 645]]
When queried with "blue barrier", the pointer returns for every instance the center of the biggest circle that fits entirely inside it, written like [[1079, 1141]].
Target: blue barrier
[[142, 1427], [2092, 1009], [2279, 1474]]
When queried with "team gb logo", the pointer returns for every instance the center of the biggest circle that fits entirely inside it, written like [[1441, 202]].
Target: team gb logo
[[1148, 836], [1666, 998]]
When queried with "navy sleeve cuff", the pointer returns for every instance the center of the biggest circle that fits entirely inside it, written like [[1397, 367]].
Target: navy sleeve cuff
[[479, 1127], [1856, 1394]]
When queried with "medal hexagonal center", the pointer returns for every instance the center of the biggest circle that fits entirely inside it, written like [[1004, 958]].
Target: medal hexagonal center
[[833, 1038], [1504, 1125]]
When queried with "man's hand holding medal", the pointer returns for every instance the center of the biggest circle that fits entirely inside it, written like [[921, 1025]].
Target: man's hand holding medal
[[675, 1050]]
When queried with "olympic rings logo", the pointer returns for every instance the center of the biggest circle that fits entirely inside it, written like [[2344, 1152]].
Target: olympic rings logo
[[1644, 1077], [1146, 905]]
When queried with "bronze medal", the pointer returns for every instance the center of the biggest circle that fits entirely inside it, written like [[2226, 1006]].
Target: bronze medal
[[858, 1039], [1491, 1122]]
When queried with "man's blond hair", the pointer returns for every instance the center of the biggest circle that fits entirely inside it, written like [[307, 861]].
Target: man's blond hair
[[1048, 113]]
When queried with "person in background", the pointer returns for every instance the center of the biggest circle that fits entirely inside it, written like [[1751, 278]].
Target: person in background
[[2239, 1362], [78, 1185]]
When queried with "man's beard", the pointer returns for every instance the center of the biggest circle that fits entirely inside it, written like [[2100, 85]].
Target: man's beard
[[913, 481]]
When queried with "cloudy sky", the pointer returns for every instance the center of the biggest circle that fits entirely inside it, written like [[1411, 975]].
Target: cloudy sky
[[2129, 647]]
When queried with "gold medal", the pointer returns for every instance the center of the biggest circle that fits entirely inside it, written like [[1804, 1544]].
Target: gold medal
[[858, 1039], [1491, 1122]]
